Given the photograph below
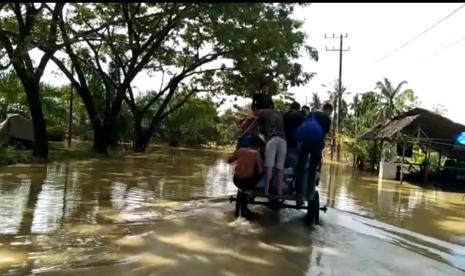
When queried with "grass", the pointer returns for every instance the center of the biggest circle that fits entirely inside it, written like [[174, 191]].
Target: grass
[[79, 151], [212, 148], [58, 152], [10, 155]]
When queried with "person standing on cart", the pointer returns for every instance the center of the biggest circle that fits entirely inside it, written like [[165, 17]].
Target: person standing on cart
[[262, 98], [292, 120], [270, 123], [311, 136]]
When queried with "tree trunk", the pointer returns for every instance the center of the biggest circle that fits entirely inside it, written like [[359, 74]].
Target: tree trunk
[[111, 132], [141, 138], [100, 145], [40, 148], [100, 140], [373, 155], [140, 143]]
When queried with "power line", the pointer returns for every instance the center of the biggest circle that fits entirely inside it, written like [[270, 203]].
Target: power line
[[441, 50], [449, 46], [422, 33]]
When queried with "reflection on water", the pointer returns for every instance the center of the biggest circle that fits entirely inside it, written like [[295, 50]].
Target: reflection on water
[[12, 203], [428, 211], [85, 192], [75, 209]]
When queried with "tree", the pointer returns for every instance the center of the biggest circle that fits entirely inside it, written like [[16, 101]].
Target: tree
[[12, 96], [363, 115], [340, 112], [393, 101], [369, 109], [54, 101], [283, 102], [109, 44], [316, 102], [193, 124], [21, 23], [55, 109], [112, 42], [259, 39]]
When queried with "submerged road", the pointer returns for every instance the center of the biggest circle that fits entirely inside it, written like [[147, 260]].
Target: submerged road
[[167, 213], [212, 242]]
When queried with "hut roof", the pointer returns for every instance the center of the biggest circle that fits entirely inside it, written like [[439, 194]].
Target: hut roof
[[439, 131]]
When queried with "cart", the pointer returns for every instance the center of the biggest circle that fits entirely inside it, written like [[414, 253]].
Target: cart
[[311, 196]]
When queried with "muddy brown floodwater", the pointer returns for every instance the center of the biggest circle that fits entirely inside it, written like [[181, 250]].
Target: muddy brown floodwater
[[167, 212]]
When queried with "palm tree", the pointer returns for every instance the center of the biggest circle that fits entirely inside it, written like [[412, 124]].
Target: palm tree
[[393, 101], [316, 102]]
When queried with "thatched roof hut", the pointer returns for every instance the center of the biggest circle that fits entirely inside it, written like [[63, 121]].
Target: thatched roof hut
[[425, 127]]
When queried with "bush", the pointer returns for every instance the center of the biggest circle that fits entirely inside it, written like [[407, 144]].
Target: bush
[[56, 134]]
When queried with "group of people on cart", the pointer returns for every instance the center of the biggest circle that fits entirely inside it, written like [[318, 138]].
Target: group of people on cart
[[272, 141]]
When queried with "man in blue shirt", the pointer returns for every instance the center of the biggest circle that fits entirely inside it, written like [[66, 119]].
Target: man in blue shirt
[[311, 136]]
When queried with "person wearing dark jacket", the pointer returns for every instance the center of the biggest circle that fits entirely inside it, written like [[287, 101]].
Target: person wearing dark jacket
[[305, 110], [292, 120], [262, 98]]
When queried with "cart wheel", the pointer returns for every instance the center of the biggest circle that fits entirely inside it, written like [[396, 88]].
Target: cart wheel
[[310, 213], [238, 203], [316, 207]]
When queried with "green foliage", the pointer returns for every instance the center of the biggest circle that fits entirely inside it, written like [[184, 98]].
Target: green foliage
[[11, 155], [194, 124], [263, 41], [371, 108], [12, 96], [114, 42], [227, 126], [55, 103], [394, 101], [282, 102]]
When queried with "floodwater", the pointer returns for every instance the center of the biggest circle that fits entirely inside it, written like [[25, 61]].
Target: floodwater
[[168, 212]]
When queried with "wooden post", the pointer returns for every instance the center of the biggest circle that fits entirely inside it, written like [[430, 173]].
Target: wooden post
[[426, 162], [439, 162], [402, 164]]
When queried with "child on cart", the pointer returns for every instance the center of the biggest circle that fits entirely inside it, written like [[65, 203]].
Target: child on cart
[[248, 168]]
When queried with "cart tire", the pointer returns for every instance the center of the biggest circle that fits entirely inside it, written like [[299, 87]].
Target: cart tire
[[316, 207], [238, 204], [309, 217]]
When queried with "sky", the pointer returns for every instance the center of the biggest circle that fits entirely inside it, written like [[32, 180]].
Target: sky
[[377, 29], [431, 68]]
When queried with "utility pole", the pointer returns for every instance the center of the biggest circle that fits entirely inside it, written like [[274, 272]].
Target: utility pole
[[70, 119], [336, 145]]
